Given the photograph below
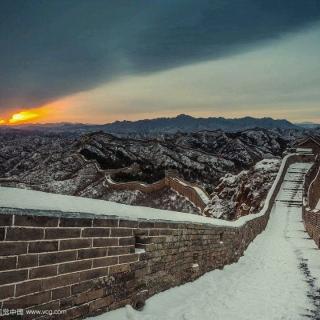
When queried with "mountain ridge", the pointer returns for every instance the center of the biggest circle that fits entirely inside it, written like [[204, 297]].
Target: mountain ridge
[[180, 123]]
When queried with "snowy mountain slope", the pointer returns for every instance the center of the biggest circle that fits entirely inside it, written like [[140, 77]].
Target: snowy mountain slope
[[72, 165], [244, 193]]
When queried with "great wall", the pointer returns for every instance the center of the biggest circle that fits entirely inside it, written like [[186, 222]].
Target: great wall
[[85, 263], [311, 202], [194, 193]]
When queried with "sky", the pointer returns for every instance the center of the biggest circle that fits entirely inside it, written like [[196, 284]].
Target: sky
[[96, 61]]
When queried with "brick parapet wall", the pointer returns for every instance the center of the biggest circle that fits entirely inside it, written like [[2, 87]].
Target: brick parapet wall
[[187, 190], [311, 215], [135, 185], [311, 219], [89, 264], [177, 184], [313, 191]]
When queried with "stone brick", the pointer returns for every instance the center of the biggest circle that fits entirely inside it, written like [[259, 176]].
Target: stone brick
[[165, 232], [8, 249], [5, 219], [104, 262], [140, 232], [121, 232], [93, 274], [75, 244], [141, 273], [13, 276], [96, 232], [154, 232], [35, 221], [128, 258], [8, 263], [6, 292], [150, 240], [75, 222], [29, 260], [28, 287], [105, 242], [56, 257], [130, 241], [119, 268], [161, 225], [88, 296], [74, 266], [119, 304], [105, 223], [43, 272], [62, 233], [60, 281], [66, 303], [2, 233], [43, 246], [59, 293], [116, 251], [84, 286], [27, 301], [173, 225], [16, 234], [100, 303], [128, 224], [146, 224], [92, 253], [76, 312]]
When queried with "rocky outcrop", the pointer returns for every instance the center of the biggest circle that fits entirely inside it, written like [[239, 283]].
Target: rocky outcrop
[[244, 193]]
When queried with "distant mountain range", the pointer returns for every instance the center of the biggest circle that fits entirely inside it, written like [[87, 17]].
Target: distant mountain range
[[308, 125], [181, 123]]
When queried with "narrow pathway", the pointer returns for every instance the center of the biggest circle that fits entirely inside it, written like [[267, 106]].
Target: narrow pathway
[[277, 278]]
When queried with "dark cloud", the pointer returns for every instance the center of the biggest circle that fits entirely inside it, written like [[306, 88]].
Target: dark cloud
[[53, 48]]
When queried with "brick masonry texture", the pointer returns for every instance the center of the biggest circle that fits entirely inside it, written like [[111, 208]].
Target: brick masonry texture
[[311, 215], [312, 225], [91, 265]]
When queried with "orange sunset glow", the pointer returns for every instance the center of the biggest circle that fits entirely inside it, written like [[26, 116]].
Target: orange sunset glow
[[50, 112], [23, 116]]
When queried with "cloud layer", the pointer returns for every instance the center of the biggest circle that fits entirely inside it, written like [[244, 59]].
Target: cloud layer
[[54, 48]]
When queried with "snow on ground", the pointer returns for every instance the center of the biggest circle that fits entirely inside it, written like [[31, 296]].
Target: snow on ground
[[38, 200], [266, 164], [202, 194], [318, 205], [277, 278], [244, 193]]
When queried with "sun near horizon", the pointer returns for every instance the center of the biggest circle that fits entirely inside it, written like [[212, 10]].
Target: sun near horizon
[[20, 117]]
